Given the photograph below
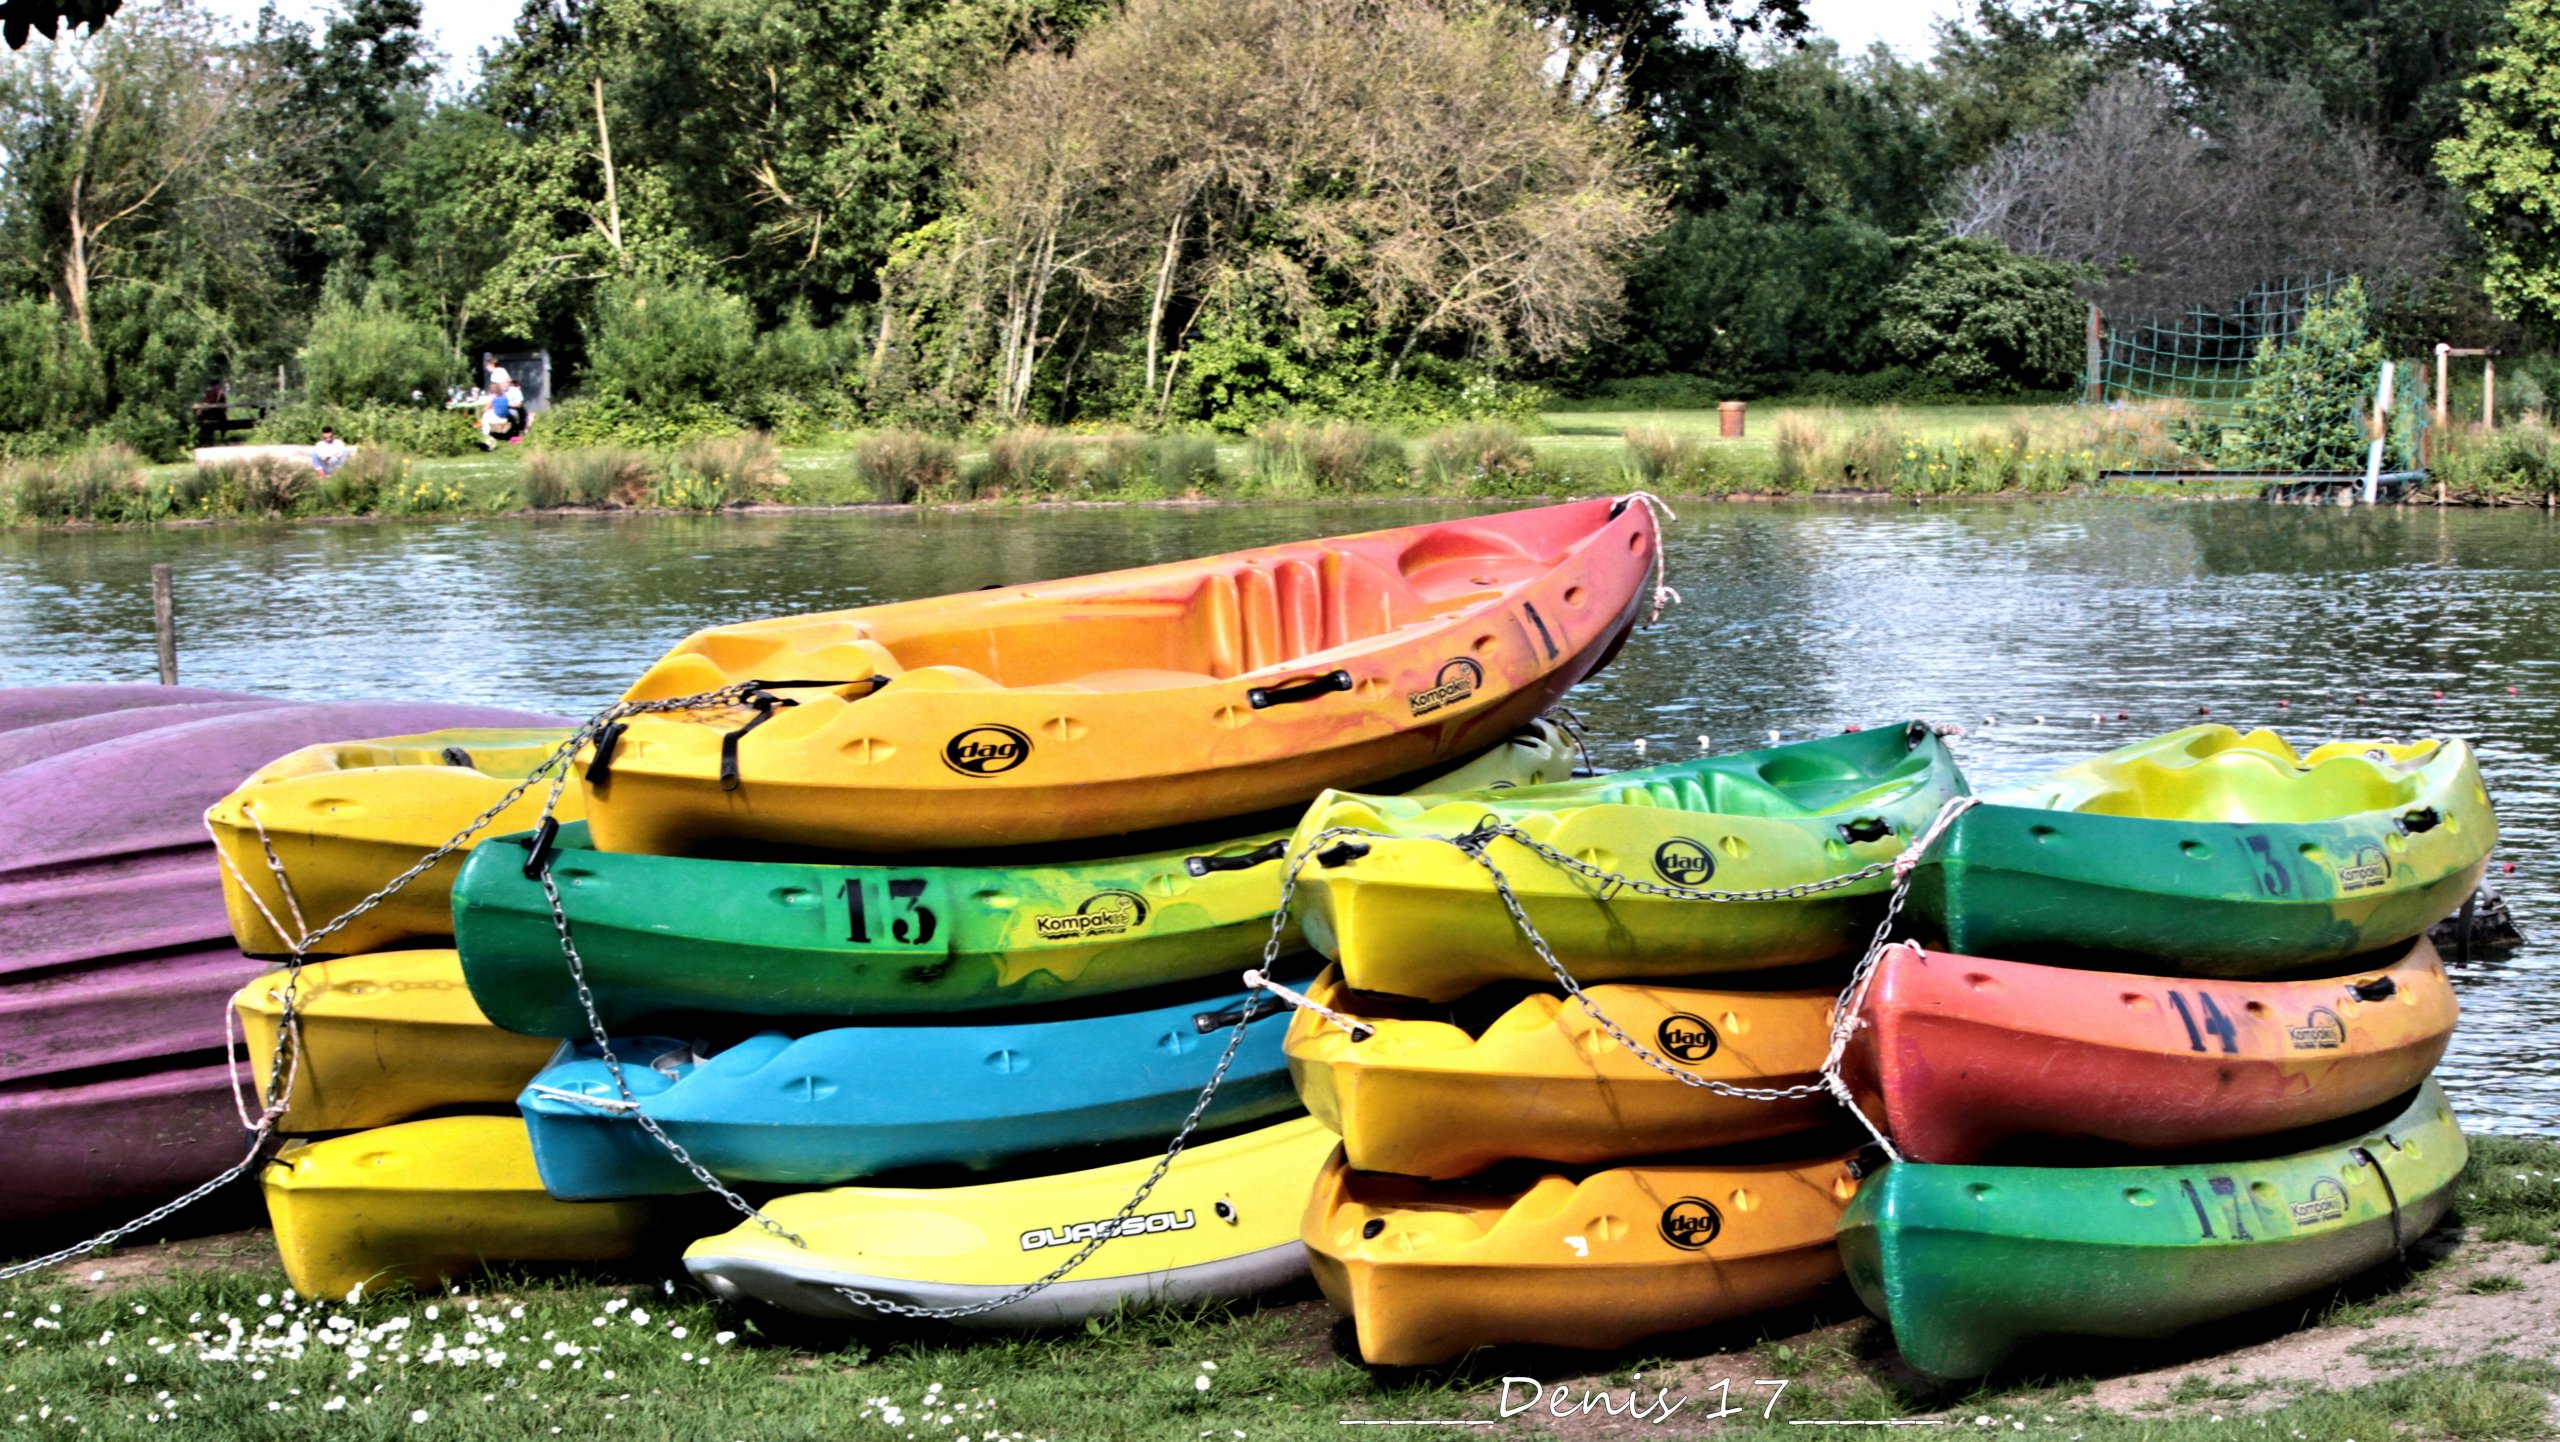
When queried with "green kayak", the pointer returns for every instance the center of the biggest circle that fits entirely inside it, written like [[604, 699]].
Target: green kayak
[[1968, 1263], [664, 934], [2209, 853], [1407, 913]]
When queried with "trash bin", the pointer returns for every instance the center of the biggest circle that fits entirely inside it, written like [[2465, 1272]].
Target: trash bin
[[1729, 420]]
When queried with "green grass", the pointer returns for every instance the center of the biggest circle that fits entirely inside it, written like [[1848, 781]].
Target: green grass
[[177, 1350]]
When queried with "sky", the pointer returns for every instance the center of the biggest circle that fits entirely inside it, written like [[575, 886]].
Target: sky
[[460, 28]]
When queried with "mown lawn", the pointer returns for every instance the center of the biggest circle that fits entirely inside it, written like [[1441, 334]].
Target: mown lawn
[[203, 1340]]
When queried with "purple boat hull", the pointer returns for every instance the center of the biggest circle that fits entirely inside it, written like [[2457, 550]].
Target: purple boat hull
[[115, 957]]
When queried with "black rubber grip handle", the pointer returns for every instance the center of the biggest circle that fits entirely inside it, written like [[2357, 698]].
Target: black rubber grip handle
[[2381, 988], [2425, 818], [600, 766], [1865, 829], [456, 756], [1203, 865], [1342, 853], [537, 851], [1209, 1021], [1297, 691]]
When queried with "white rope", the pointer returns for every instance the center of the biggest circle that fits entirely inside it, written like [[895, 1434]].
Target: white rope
[[1662, 592], [1358, 1029], [616, 1105], [291, 938]]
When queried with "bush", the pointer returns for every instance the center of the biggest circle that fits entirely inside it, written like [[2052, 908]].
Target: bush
[[613, 421], [360, 485], [1972, 314], [902, 467], [1335, 458], [665, 345], [2309, 397], [1486, 458], [1657, 457], [104, 485], [1026, 461], [421, 430], [2518, 464], [593, 476], [734, 468], [50, 386], [1677, 463], [362, 351], [1801, 443], [1173, 464]]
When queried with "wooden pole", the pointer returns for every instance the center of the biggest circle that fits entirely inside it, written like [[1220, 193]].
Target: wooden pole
[[2097, 357], [2488, 393], [164, 619], [2443, 412], [2381, 427]]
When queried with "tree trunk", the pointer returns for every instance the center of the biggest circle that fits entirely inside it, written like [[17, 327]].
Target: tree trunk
[[604, 152], [1164, 284], [75, 263]]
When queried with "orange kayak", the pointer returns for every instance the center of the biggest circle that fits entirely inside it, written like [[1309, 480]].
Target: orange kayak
[[1966, 1055], [1131, 700]]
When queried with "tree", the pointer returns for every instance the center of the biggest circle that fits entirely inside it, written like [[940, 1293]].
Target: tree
[[2307, 401], [366, 349], [2506, 164], [359, 91], [1974, 316]]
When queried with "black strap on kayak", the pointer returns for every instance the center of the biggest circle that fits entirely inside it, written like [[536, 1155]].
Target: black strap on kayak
[[600, 766], [2399, 1243], [1297, 691], [456, 756], [1246, 861], [761, 698]]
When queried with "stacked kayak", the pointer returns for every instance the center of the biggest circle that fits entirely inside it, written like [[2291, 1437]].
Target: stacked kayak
[[1008, 868], [118, 960], [2173, 1062], [1653, 1154]]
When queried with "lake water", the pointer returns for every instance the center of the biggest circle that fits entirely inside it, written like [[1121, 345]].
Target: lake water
[[2033, 626]]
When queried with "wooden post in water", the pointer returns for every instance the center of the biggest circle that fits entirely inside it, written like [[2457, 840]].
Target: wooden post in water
[[2381, 427], [2443, 413], [164, 619], [2097, 356]]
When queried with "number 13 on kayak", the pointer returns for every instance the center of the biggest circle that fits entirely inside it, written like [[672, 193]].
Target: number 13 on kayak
[[1127, 701]]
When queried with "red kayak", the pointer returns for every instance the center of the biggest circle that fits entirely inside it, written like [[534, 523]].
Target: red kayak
[[1967, 1057]]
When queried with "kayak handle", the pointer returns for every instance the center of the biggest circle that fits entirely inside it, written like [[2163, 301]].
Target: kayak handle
[[1209, 1021], [537, 848], [1270, 851], [1342, 853], [1297, 691], [1865, 829], [456, 756], [2381, 988], [2425, 818]]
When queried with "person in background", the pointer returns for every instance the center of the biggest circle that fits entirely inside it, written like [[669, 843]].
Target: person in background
[[517, 416], [330, 454], [494, 420], [496, 378]]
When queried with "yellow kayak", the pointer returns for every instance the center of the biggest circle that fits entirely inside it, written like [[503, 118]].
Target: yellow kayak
[[423, 1203], [1430, 1271], [344, 818], [1423, 1097], [1222, 1224], [385, 1037]]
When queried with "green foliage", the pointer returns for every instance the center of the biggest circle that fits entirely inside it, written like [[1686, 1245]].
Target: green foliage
[[104, 485], [1478, 459], [667, 345], [1973, 315], [423, 430], [50, 386], [1334, 458], [2517, 463], [904, 466], [358, 487], [1152, 467], [591, 476], [1025, 463], [367, 351], [732, 469], [2309, 398], [612, 420], [2505, 162]]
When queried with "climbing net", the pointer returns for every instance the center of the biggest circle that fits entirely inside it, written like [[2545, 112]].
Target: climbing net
[[2205, 356]]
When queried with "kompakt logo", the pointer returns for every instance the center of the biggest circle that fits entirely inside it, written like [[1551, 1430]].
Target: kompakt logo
[[1458, 679], [986, 750], [1105, 913]]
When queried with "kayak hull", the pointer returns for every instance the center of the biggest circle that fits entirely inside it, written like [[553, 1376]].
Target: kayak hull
[[661, 935], [1221, 1225], [1967, 1056], [1971, 1263], [2208, 853], [1421, 1097], [772, 1109], [1408, 914], [1120, 703], [1430, 1272], [428, 1202], [384, 1038], [341, 819]]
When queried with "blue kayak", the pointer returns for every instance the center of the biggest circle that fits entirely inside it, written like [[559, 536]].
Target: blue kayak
[[859, 1100]]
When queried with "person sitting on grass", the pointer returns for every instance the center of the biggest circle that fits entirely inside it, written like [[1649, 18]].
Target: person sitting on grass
[[493, 421], [330, 453]]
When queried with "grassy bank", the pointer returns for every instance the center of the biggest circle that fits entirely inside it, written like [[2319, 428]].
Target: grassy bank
[[204, 1340], [1787, 451]]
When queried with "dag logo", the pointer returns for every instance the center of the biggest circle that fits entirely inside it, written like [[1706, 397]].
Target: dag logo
[[2365, 870], [986, 750], [2321, 1030], [1105, 913], [1686, 1038], [1691, 1223], [1458, 679], [1683, 862]]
